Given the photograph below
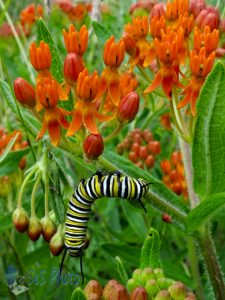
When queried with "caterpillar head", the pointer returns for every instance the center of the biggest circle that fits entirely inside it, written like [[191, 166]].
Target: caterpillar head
[[145, 186]]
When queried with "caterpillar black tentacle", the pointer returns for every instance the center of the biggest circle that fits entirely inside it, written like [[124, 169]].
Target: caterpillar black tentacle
[[97, 186]]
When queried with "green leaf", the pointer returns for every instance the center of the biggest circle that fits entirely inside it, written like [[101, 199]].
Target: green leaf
[[135, 219], [7, 93], [7, 149], [101, 31], [159, 196], [78, 294], [205, 211], [121, 270], [209, 138], [5, 222], [56, 66], [129, 254], [150, 251]]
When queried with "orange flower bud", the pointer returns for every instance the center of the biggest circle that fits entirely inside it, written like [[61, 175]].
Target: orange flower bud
[[113, 53], [76, 41], [24, 92], [129, 42], [165, 166], [73, 65], [48, 228], [87, 85], [47, 93], [93, 146], [93, 289], [20, 219], [34, 229], [138, 28], [139, 294], [40, 57], [109, 287], [57, 242], [128, 107]]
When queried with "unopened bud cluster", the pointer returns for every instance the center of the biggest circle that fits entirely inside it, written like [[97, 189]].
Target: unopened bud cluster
[[174, 177], [140, 147], [145, 284]]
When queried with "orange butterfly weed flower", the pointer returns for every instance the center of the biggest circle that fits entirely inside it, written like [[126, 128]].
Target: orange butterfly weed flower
[[113, 56], [76, 41], [29, 14], [200, 66], [176, 8], [54, 117], [168, 51], [207, 39], [128, 83], [85, 112], [40, 57]]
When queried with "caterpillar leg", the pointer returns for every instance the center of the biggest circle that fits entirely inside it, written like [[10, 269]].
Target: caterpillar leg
[[142, 204], [61, 266]]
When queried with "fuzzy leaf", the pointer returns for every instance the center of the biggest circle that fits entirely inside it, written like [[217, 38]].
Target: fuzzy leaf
[[150, 251], [209, 138], [205, 211], [101, 31]]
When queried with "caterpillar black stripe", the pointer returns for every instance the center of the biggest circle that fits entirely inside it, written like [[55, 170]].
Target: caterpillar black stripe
[[97, 186]]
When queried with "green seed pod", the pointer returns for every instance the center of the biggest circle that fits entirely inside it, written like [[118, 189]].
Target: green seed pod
[[147, 274], [152, 287], [164, 283], [158, 273], [177, 290], [163, 295]]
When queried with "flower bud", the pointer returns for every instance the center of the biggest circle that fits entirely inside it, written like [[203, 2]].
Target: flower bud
[[163, 295], [48, 228], [130, 45], [157, 10], [190, 296], [57, 242], [158, 273], [118, 293], [131, 284], [93, 146], [196, 6], [73, 65], [139, 294], [128, 107], [34, 229], [164, 283], [137, 276], [166, 218], [109, 287], [93, 289], [208, 17], [177, 290], [24, 92], [146, 275], [20, 219], [152, 287]]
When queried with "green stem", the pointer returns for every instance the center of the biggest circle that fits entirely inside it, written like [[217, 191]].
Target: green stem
[[27, 178], [212, 264], [187, 160], [33, 195], [114, 133]]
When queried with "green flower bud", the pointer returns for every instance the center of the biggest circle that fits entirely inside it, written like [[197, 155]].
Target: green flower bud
[[137, 276], [158, 273], [147, 274], [139, 294], [163, 295], [48, 228], [164, 283], [20, 219], [152, 287], [93, 290], [34, 229], [131, 285], [177, 290]]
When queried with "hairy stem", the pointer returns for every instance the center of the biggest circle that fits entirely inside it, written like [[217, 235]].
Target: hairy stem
[[33, 195], [212, 264]]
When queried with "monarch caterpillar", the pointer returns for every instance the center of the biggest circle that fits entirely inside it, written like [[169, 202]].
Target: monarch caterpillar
[[97, 186]]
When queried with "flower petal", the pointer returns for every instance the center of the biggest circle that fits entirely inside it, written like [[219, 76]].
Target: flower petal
[[54, 132], [75, 123], [155, 83], [114, 91], [42, 131], [89, 120]]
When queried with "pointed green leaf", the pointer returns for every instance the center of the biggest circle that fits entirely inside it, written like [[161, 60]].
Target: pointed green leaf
[[206, 210], [7, 93], [209, 138], [78, 294], [101, 31], [150, 251], [121, 270], [4, 155]]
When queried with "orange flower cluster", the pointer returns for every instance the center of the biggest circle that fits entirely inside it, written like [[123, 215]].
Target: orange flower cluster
[[169, 29], [19, 144], [29, 15], [173, 177]]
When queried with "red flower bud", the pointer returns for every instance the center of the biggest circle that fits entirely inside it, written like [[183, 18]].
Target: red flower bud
[[139, 294], [157, 10], [73, 65], [24, 92], [222, 25], [57, 241], [93, 290], [165, 166], [196, 6], [48, 228], [208, 17], [128, 107], [20, 219], [34, 229], [166, 218], [93, 146]]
